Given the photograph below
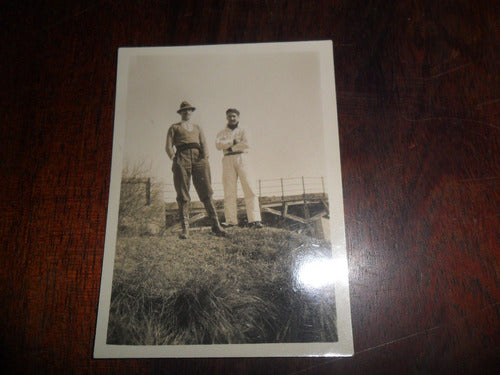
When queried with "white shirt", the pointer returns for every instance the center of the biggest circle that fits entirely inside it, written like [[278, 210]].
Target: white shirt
[[235, 139]]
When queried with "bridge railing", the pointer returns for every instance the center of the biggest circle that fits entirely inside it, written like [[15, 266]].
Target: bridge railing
[[291, 186], [276, 187]]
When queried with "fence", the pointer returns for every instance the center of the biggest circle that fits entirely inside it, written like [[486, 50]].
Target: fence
[[147, 186], [276, 187]]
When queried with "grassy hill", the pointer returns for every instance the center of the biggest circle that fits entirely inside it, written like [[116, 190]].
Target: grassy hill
[[211, 290]]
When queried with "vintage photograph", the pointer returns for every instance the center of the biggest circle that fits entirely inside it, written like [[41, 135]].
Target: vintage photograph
[[225, 230]]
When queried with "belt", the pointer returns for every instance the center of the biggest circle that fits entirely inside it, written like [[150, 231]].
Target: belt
[[187, 146], [233, 153]]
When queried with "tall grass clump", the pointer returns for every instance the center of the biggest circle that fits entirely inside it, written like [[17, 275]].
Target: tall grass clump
[[136, 217], [210, 290]]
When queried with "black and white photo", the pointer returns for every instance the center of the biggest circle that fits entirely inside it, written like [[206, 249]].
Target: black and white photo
[[225, 230]]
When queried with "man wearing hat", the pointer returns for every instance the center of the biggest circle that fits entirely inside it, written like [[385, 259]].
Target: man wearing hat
[[190, 159], [233, 142]]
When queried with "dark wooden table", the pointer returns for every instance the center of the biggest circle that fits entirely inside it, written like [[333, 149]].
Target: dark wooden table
[[418, 103]]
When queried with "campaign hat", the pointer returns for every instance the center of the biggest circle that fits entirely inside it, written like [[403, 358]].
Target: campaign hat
[[185, 106]]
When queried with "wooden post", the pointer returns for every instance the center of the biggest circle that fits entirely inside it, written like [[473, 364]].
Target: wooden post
[[148, 191], [284, 209], [306, 209], [323, 184], [282, 191], [260, 195]]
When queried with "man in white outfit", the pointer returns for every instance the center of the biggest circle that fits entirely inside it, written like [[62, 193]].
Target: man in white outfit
[[233, 142]]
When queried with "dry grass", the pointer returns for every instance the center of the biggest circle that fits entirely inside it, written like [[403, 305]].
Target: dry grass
[[212, 290]]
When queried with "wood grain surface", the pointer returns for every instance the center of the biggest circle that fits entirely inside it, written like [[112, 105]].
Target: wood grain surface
[[418, 103]]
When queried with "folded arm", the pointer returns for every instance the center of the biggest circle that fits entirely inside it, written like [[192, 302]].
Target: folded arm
[[241, 143], [224, 140]]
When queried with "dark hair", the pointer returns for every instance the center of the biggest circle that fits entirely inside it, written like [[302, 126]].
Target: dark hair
[[232, 110]]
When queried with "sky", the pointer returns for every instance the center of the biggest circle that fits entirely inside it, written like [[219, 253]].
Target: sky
[[277, 93]]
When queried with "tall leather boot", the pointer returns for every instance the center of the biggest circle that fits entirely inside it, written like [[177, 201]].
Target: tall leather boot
[[184, 218], [212, 214]]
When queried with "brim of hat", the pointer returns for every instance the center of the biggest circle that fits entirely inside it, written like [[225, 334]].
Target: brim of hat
[[185, 109]]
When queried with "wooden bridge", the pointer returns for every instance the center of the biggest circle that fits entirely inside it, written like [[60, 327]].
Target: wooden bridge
[[299, 204]]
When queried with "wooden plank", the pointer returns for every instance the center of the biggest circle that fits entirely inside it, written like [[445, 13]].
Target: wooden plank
[[271, 211], [296, 218], [197, 217], [317, 216], [290, 203], [325, 203], [286, 216]]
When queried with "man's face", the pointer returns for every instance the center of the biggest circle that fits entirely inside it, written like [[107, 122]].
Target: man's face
[[186, 115], [232, 118]]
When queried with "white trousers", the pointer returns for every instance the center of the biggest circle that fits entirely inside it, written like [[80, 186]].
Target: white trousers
[[234, 167]]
